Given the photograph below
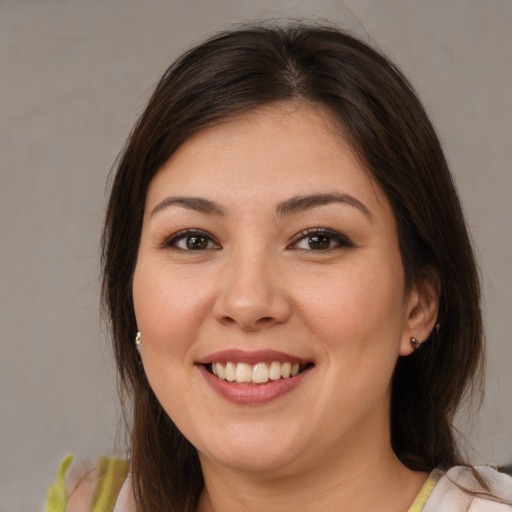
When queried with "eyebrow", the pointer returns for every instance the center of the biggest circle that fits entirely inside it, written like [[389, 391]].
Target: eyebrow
[[302, 203], [190, 203], [293, 205]]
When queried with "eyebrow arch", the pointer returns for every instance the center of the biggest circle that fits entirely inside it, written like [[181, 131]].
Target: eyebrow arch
[[302, 203], [190, 203]]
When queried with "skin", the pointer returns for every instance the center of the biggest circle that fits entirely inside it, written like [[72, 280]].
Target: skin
[[257, 284]]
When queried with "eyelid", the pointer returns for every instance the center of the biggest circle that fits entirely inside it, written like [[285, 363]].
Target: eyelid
[[170, 241], [340, 238]]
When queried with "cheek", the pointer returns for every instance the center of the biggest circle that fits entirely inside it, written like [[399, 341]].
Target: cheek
[[355, 303], [358, 325], [168, 308], [167, 314]]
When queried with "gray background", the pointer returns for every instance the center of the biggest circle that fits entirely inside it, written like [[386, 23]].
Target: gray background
[[74, 74]]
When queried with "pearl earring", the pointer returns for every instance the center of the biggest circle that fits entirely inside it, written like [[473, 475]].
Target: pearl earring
[[137, 341]]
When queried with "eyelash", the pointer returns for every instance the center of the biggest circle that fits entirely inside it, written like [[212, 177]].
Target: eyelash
[[171, 243], [333, 237], [339, 239]]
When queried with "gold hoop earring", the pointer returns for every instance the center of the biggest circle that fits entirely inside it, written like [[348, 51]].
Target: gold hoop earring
[[137, 341]]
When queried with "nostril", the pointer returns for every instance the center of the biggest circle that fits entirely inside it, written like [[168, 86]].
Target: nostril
[[228, 320], [265, 321]]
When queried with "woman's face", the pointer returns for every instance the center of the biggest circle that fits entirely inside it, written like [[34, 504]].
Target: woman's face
[[267, 249]]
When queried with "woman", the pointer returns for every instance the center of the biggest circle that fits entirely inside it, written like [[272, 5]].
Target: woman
[[285, 244]]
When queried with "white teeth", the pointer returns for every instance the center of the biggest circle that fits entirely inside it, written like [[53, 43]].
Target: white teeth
[[243, 373], [258, 374], [275, 370], [221, 373], [230, 371], [286, 370]]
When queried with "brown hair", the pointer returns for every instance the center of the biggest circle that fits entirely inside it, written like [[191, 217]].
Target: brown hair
[[382, 118]]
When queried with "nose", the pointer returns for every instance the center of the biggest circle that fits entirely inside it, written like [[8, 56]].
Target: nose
[[252, 294]]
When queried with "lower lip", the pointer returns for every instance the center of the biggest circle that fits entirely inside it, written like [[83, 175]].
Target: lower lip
[[244, 394]]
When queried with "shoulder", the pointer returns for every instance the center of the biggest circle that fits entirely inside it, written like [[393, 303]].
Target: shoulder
[[80, 486], [84, 485], [462, 488]]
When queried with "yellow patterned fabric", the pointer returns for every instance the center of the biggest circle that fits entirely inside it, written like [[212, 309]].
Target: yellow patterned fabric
[[57, 496], [111, 475]]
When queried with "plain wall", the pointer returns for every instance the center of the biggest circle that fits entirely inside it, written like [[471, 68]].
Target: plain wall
[[74, 74]]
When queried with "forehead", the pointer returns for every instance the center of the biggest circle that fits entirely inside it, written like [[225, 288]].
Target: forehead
[[267, 155]]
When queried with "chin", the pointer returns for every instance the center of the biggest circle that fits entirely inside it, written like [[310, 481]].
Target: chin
[[252, 455], [250, 461]]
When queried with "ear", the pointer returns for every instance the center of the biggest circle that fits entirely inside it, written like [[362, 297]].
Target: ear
[[422, 310]]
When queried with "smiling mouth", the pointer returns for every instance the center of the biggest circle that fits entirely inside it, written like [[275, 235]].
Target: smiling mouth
[[254, 374]]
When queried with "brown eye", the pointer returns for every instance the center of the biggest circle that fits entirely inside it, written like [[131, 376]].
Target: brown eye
[[320, 239], [191, 240], [318, 242], [196, 243]]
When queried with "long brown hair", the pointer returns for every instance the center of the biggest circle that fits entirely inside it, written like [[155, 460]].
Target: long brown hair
[[381, 117]]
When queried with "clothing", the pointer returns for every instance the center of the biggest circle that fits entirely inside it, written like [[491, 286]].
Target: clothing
[[450, 494], [108, 477], [456, 490]]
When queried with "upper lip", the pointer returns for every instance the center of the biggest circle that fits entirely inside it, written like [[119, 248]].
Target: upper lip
[[250, 357]]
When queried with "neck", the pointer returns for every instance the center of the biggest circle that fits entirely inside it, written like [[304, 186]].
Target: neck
[[349, 479]]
